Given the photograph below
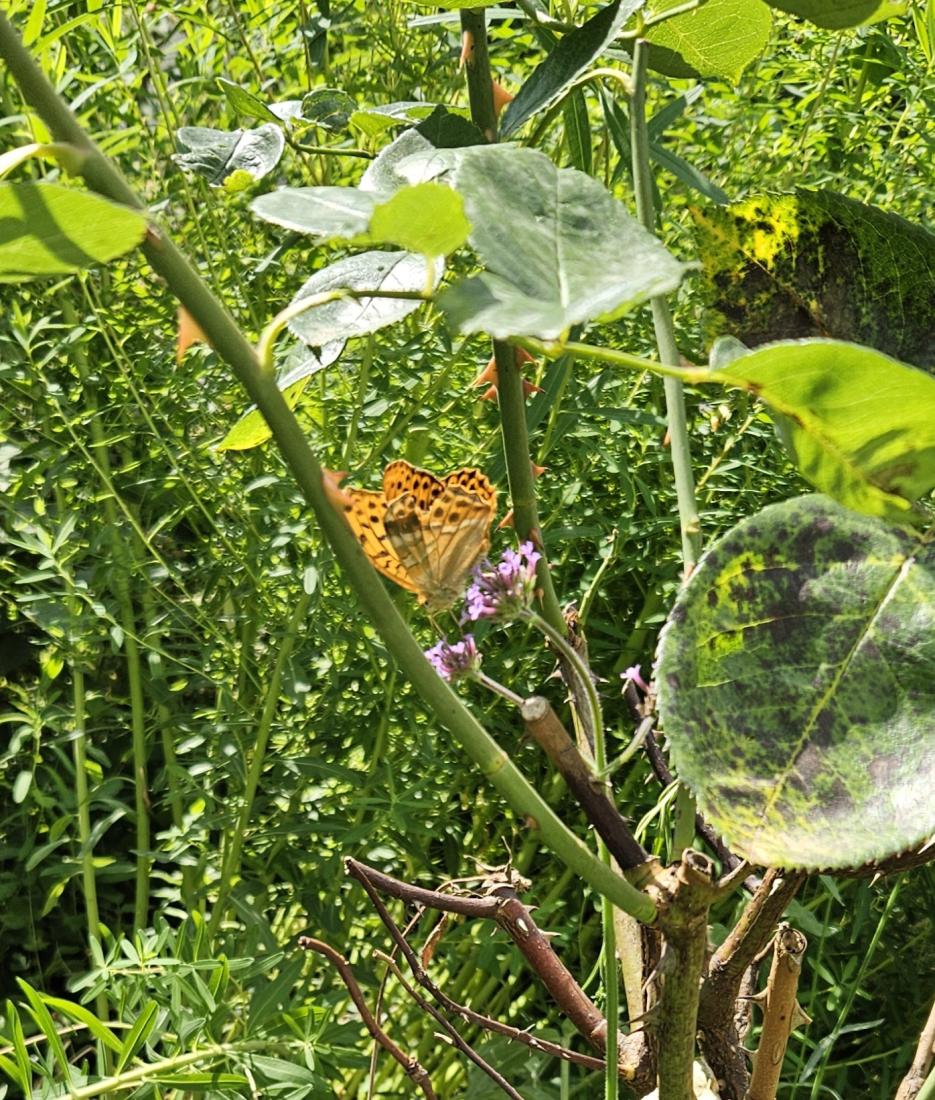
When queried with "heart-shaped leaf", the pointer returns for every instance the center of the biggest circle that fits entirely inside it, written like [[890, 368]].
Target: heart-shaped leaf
[[796, 681], [52, 230], [859, 425], [347, 317], [557, 247]]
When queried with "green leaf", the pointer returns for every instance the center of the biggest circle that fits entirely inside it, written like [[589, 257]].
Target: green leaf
[[860, 426], [427, 218], [251, 429], [381, 176], [329, 108], [199, 1082], [46, 229], [566, 62], [376, 120], [448, 128], [323, 212], [719, 39], [578, 131], [244, 103], [138, 1034], [815, 263], [217, 154], [82, 1015], [796, 682], [689, 175], [339, 320], [557, 247], [46, 1025], [834, 14]]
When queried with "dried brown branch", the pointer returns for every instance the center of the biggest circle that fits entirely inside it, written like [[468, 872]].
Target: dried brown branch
[[505, 908], [411, 1066], [466, 1049], [912, 1083], [781, 1012], [720, 1041], [551, 736], [417, 966]]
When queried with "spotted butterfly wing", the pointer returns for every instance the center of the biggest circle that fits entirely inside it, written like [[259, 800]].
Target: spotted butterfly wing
[[437, 527], [365, 511]]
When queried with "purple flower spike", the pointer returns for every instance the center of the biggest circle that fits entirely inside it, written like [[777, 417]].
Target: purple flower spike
[[633, 675], [503, 590], [452, 662]]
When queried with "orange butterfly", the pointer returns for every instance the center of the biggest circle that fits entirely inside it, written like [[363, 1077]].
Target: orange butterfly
[[423, 532]]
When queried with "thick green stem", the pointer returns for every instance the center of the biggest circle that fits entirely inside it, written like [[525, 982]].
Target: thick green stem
[[228, 341], [662, 321], [230, 868]]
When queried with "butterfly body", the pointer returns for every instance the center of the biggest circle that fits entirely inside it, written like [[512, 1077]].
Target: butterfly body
[[423, 532]]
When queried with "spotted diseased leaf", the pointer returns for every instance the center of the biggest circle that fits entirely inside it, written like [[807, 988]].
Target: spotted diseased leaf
[[815, 263], [796, 681]]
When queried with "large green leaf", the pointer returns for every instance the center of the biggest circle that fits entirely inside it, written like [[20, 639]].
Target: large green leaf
[[567, 61], [796, 683], [347, 317], [836, 14], [46, 229], [326, 213], [815, 263], [860, 426], [558, 249], [721, 38], [218, 154], [427, 218]]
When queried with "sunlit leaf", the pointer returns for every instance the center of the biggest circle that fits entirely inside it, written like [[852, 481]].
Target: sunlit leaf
[[557, 248], [836, 14], [721, 38], [51, 230], [796, 683], [428, 218], [244, 103], [341, 319], [860, 426], [217, 154]]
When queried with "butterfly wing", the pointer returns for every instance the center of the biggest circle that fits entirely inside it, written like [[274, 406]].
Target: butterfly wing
[[471, 479], [402, 477], [365, 513], [439, 544]]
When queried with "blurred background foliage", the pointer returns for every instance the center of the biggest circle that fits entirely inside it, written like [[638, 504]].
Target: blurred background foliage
[[149, 584]]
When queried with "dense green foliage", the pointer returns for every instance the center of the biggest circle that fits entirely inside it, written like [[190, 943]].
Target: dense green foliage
[[167, 600]]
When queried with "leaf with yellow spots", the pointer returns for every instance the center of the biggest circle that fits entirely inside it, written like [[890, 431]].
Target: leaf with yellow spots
[[814, 263]]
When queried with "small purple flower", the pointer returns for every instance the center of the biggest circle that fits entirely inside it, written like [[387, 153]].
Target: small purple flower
[[503, 590], [633, 675], [452, 662]]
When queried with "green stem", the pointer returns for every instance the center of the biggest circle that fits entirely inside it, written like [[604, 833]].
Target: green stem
[[230, 868], [512, 399], [235, 349], [662, 321], [609, 948], [615, 357]]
